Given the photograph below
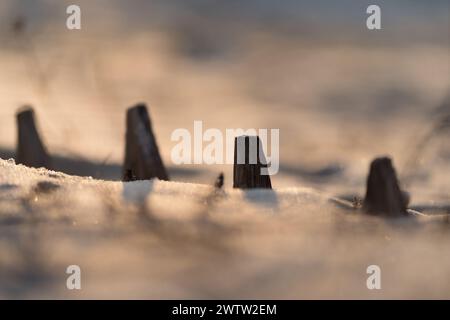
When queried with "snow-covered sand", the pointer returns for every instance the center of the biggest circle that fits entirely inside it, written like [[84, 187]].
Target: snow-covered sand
[[154, 239]]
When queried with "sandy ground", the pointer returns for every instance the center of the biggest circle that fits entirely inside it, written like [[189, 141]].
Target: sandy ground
[[339, 95], [132, 240]]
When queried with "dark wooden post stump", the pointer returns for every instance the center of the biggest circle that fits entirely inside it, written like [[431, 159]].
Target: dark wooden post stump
[[249, 159], [30, 148], [142, 158], [383, 195]]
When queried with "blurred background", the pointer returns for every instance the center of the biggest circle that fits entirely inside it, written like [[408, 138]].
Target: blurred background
[[339, 93]]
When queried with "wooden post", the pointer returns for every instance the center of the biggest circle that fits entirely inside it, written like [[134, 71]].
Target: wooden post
[[142, 158], [383, 195], [30, 148], [249, 159]]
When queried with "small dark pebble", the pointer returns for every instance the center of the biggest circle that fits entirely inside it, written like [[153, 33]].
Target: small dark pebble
[[218, 184]]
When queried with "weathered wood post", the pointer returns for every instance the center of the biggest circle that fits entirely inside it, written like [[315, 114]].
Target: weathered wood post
[[30, 148], [249, 159], [383, 195], [142, 158]]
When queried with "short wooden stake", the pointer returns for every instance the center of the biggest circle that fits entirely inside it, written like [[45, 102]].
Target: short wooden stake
[[383, 194], [30, 148], [142, 158], [249, 159]]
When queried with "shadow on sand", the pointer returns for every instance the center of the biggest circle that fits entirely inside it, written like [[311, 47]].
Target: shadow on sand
[[97, 170]]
